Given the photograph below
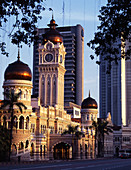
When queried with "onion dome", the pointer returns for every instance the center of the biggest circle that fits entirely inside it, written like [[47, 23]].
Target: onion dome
[[52, 34], [18, 71], [89, 103]]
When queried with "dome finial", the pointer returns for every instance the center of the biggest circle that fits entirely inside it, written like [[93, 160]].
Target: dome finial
[[18, 54], [89, 93]]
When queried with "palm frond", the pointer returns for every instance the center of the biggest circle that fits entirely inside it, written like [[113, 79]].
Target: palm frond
[[7, 94], [21, 105], [65, 132], [4, 103]]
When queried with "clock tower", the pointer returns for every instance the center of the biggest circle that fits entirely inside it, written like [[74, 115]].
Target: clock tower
[[51, 68]]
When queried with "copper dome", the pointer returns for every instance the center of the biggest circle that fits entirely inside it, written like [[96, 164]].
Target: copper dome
[[18, 71], [52, 34], [89, 103]]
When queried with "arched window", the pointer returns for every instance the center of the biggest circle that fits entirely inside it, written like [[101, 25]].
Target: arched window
[[54, 91], [21, 146], [44, 151], [26, 94], [48, 90], [27, 122], [41, 150], [15, 123], [40, 61], [26, 144], [43, 90], [14, 149], [92, 117], [32, 151], [4, 122], [81, 151], [6, 91], [86, 151], [20, 94], [21, 122]]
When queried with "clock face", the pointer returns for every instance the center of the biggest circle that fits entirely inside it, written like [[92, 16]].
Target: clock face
[[49, 57]]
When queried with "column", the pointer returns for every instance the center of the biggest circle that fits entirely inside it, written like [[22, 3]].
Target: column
[[83, 150], [17, 149], [57, 90], [18, 121], [45, 89], [51, 154], [40, 79], [24, 147], [78, 150], [70, 153], [51, 90]]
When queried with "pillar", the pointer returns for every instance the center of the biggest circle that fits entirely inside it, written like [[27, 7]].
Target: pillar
[[77, 149]]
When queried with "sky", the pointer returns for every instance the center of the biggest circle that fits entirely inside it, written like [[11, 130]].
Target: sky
[[83, 12]]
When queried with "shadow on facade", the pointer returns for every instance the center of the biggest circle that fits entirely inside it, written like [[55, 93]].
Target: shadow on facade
[[61, 151]]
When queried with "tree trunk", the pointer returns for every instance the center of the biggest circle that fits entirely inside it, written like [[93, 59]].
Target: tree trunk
[[11, 128], [95, 142], [103, 144], [72, 146]]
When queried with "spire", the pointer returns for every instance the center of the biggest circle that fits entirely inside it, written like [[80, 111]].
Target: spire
[[18, 54], [52, 24], [89, 93]]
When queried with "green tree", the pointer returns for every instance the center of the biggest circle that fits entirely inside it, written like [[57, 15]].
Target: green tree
[[4, 143], [11, 100], [25, 15], [95, 128], [73, 130], [114, 26], [101, 128]]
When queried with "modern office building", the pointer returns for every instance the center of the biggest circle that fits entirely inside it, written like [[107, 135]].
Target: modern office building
[[115, 90], [128, 84], [73, 39]]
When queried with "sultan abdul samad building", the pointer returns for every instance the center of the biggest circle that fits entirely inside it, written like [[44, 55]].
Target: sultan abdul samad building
[[37, 130]]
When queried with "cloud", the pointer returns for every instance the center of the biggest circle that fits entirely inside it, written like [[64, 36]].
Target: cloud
[[90, 81]]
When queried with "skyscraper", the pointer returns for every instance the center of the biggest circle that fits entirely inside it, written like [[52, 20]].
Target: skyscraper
[[115, 90], [73, 39], [128, 84]]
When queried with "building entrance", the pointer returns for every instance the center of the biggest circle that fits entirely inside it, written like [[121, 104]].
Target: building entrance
[[61, 151]]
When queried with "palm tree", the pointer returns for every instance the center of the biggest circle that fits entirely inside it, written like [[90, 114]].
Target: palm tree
[[95, 127], [104, 128], [73, 130], [101, 128], [11, 100], [4, 143]]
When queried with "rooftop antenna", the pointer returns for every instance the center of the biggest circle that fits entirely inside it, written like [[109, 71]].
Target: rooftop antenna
[[69, 11], [50, 9], [63, 11], [84, 12], [89, 93], [18, 53]]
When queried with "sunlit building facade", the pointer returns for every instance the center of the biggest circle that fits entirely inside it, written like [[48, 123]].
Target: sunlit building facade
[[73, 40], [115, 90], [37, 130]]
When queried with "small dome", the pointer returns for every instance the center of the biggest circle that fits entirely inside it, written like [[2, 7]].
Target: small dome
[[52, 34], [18, 71], [89, 103]]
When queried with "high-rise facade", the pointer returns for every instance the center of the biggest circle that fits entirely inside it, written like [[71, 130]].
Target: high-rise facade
[[73, 40], [115, 90], [128, 84]]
